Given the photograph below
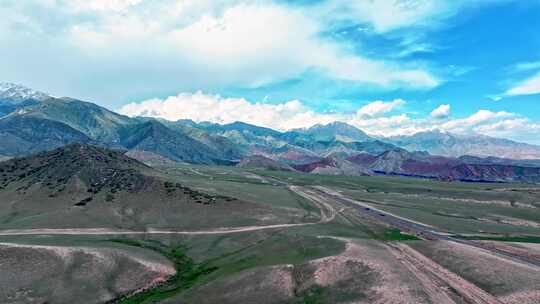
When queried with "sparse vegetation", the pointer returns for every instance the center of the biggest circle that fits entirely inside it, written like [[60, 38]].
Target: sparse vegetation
[[188, 274], [84, 201], [197, 197], [392, 234], [285, 248], [313, 295], [518, 239]]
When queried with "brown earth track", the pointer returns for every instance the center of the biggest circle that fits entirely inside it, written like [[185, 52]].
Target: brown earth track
[[434, 288], [327, 214], [439, 283], [512, 248], [421, 230], [424, 266]]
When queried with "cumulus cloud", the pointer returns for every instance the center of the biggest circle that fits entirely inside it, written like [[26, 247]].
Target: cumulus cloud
[[520, 129], [250, 45], [387, 125], [479, 118], [114, 50], [442, 111], [527, 87], [185, 45], [379, 107], [294, 114], [202, 107], [282, 116]]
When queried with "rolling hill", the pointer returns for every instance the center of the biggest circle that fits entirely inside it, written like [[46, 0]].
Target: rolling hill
[[85, 186]]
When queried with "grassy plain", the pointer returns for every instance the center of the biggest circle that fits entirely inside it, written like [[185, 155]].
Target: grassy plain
[[349, 258]]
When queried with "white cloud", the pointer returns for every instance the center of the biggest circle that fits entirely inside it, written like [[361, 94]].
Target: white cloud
[[442, 111], [387, 125], [528, 87], [520, 129], [379, 107], [387, 15], [478, 118], [526, 66], [101, 5], [202, 107], [494, 97], [294, 114], [283, 116], [503, 125], [184, 45], [248, 45]]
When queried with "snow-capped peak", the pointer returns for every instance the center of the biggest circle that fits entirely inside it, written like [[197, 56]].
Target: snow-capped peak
[[15, 93]]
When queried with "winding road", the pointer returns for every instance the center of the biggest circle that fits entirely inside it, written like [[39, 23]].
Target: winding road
[[421, 230], [325, 199], [327, 214]]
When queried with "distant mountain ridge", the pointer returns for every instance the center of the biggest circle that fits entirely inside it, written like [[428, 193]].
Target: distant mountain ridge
[[335, 131], [13, 93], [456, 145], [36, 122], [22, 135], [32, 121], [422, 164]]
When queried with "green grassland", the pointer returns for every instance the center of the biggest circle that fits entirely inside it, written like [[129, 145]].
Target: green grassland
[[453, 206], [236, 182], [431, 202], [486, 271], [202, 260]]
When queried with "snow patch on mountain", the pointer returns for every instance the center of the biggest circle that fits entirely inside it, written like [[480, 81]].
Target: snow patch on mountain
[[14, 93]]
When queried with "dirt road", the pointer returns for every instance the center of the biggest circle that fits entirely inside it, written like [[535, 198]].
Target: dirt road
[[421, 230], [438, 281], [326, 200], [327, 214]]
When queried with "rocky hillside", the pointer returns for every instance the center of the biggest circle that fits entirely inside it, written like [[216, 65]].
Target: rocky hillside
[[92, 169], [157, 138], [87, 186], [262, 162], [336, 131], [454, 145], [22, 135], [13, 94], [422, 164], [335, 166]]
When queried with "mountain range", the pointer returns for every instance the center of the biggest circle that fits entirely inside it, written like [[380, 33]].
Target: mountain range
[[422, 164], [456, 145], [32, 121]]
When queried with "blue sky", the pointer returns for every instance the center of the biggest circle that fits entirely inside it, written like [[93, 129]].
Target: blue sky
[[388, 67]]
